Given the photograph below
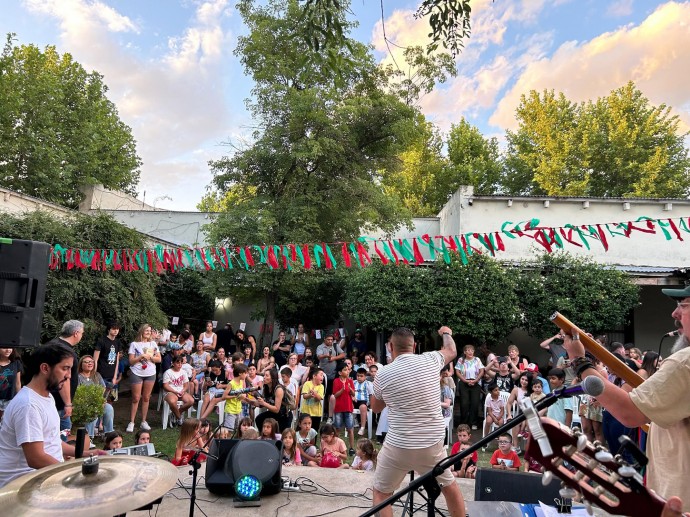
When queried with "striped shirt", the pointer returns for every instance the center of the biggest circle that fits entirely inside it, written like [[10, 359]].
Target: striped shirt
[[409, 387]]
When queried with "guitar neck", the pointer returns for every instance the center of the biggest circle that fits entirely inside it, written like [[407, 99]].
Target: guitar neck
[[611, 361]]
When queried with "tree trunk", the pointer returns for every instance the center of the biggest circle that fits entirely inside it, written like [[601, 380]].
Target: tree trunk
[[269, 319]]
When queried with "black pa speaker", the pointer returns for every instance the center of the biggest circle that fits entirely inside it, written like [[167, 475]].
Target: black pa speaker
[[513, 486], [23, 273], [262, 459]]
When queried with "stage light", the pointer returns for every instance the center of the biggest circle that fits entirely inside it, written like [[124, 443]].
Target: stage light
[[247, 490]]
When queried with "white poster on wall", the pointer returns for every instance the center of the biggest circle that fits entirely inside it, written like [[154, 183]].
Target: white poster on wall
[[318, 334], [175, 320], [243, 326]]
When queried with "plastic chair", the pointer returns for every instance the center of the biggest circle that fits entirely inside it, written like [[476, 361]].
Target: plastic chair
[[370, 419], [166, 412], [504, 396]]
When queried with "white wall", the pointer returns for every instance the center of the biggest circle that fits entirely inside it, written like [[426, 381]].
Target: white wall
[[465, 213]]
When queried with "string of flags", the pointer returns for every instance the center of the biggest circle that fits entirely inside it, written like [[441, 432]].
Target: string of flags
[[364, 250]]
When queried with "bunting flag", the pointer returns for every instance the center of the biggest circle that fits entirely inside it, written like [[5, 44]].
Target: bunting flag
[[409, 250]]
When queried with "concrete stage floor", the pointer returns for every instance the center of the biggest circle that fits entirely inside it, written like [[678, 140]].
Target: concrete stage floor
[[324, 492]]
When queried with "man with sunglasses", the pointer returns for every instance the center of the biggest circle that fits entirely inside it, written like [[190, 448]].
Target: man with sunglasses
[[661, 400]]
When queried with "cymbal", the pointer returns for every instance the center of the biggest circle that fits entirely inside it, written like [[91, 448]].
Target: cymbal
[[122, 484]]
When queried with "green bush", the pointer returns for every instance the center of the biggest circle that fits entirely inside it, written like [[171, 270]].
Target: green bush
[[88, 404]]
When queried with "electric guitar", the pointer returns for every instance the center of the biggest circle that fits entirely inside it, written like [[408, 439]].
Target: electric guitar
[[588, 469]]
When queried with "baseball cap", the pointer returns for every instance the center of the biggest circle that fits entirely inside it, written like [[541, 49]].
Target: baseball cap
[[677, 293], [174, 346], [531, 367]]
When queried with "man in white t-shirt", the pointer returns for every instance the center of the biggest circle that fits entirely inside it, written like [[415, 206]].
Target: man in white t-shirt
[[175, 384], [409, 387], [30, 428]]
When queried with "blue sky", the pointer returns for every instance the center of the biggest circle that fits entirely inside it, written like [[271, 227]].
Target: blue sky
[[171, 71]]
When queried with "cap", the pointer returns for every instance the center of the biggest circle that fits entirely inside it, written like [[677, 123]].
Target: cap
[[677, 293], [174, 346], [531, 367]]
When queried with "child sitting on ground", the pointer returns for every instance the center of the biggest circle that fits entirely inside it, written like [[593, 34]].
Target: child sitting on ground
[[306, 441], [365, 457], [113, 440], [468, 467], [291, 454], [333, 449], [504, 457], [269, 430], [189, 434]]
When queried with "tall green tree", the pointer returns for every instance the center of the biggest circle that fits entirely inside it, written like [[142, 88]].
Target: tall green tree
[[474, 160], [58, 130], [313, 171], [616, 146]]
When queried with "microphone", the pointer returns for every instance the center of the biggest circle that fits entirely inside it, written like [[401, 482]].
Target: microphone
[[593, 385], [570, 391], [672, 334]]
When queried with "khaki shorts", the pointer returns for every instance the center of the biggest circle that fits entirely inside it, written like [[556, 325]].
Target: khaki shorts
[[393, 464]]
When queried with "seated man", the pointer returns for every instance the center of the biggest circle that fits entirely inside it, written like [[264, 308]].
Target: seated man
[[175, 384], [30, 437]]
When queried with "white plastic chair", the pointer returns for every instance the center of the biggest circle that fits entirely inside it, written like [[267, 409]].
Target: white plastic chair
[[370, 419], [167, 412], [576, 421], [504, 396]]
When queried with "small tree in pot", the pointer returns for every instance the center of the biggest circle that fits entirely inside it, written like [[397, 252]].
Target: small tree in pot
[[87, 405]]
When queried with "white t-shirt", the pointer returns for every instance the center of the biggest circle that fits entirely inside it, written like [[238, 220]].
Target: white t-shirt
[[409, 387], [140, 348], [175, 380], [28, 418]]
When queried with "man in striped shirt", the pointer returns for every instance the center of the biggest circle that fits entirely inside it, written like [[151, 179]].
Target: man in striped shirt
[[409, 387]]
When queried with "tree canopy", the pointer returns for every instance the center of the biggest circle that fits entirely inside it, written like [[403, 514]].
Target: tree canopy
[[313, 172], [58, 130], [616, 146], [595, 297]]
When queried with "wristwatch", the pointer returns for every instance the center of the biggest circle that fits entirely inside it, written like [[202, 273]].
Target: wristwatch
[[446, 334]]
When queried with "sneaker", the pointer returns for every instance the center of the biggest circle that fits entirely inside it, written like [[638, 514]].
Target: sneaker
[[361, 431], [329, 420], [518, 451], [180, 420], [145, 426], [474, 427], [351, 452], [130, 428]]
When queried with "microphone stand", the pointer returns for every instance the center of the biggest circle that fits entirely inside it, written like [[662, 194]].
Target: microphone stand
[[194, 462], [660, 342], [428, 480]]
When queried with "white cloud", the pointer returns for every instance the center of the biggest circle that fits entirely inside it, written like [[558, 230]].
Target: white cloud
[[652, 55], [620, 8], [175, 105], [477, 86]]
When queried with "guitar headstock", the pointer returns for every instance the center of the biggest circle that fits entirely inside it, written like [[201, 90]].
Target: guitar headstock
[[591, 470]]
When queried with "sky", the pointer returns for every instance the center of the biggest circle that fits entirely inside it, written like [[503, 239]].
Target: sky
[[171, 72]]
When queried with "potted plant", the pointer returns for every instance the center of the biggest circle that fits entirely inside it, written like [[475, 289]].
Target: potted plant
[[87, 406]]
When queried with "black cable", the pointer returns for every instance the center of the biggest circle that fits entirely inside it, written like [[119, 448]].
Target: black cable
[[283, 505]]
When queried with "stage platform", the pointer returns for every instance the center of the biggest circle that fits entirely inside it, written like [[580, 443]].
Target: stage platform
[[323, 492]]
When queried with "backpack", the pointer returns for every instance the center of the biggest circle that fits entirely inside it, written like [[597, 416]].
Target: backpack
[[289, 399]]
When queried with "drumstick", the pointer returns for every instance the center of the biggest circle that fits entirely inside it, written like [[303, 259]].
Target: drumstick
[[611, 361]]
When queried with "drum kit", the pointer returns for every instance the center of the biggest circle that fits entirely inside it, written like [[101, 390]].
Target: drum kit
[[97, 486]]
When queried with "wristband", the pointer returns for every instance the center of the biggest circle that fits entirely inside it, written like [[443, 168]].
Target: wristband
[[69, 405], [446, 334]]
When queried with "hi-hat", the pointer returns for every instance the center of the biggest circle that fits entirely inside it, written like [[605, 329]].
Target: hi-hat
[[122, 484]]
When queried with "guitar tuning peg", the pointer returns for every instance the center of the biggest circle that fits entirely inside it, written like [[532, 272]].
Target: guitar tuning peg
[[588, 507], [546, 478], [570, 450], [626, 471], [603, 455], [567, 492], [581, 442]]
